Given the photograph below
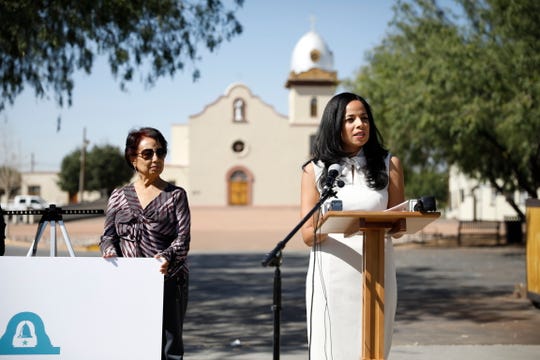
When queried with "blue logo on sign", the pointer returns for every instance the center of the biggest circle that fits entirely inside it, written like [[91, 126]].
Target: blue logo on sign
[[25, 334]]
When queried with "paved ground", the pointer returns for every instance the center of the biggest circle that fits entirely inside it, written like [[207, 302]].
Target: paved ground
[[453, 303]]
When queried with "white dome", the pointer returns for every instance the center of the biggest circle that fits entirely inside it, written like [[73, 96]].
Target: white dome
[[311, 52]]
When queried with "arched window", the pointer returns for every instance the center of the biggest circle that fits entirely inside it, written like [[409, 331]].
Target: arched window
[[239, 110], [313, 107]]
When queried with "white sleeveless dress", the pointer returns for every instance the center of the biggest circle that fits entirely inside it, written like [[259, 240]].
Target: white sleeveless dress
[[334, 279]]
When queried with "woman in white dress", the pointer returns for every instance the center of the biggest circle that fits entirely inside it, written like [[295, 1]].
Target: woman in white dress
[[373, 180]]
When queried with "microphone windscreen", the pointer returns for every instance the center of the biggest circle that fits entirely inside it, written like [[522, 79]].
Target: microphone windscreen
[[334, 170]]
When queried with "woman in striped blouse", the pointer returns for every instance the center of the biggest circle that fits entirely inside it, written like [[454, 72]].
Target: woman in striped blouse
[[151, 218]]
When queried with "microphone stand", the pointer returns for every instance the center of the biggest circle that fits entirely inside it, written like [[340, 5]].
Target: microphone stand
[[274, 258]]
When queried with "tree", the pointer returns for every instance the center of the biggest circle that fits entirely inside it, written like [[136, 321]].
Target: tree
[[42, 43], [460, 88], [68, 177], [105, 170], [10, 181], [10, 176]]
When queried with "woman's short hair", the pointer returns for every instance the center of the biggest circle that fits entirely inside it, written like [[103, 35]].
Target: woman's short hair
[[134, 138]]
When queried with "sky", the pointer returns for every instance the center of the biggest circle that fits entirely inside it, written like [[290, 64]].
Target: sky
[[259, 58]]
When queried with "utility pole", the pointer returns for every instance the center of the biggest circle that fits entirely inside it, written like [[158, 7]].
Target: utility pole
[[85, 142]]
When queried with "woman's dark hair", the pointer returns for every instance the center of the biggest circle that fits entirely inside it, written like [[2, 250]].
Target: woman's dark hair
[[328, 145], [134, 138]]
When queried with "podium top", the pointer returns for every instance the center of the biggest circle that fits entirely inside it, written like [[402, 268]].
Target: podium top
[[352, 222]]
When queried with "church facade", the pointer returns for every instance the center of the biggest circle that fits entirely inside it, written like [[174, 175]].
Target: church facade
[[239, 151]]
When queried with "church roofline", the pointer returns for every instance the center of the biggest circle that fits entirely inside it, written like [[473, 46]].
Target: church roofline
[[231, 86], [227, 93]]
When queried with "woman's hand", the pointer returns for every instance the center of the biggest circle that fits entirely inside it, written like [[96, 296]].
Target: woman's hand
[[164, 264], [109, 253]]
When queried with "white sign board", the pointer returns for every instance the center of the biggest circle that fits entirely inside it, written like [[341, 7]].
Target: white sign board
[[80, 308]]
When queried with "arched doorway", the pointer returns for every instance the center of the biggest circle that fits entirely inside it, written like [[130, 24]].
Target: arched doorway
[[239, 187]]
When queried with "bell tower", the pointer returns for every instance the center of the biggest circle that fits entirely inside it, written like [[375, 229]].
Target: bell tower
[[312, 80]]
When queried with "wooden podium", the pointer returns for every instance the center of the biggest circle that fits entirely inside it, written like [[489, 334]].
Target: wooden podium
[[375, 225]]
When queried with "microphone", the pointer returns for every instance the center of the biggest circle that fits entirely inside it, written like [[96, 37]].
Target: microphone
[[425, 204], [333, 172]]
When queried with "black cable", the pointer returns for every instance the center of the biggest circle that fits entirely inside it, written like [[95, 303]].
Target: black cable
[[313, 250], [317, 262]]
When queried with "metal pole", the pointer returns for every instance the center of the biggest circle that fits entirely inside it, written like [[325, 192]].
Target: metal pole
[[83, 167]]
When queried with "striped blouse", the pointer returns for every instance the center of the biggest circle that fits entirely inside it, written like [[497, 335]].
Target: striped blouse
[[162, 227]]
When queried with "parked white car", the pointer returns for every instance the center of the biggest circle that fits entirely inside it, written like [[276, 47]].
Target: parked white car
[[24, 202]]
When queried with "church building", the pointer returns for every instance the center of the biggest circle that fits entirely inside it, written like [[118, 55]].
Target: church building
[[239, 151]]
